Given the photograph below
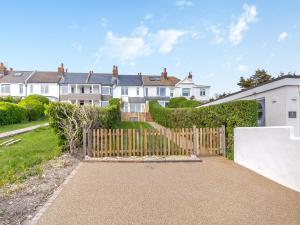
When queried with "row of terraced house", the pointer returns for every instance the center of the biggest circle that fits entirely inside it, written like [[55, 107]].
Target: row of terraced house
[[97, 88]]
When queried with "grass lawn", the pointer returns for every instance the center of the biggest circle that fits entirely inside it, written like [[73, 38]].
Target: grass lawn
[[25, 157], [21, 125], [133, 125]]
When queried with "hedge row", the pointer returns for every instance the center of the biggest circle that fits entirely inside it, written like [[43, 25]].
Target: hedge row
[[232, 114], [12, 113], [182, 102], [30, 108]]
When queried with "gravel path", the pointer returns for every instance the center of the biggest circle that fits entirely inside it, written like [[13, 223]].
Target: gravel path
[[215, 191]]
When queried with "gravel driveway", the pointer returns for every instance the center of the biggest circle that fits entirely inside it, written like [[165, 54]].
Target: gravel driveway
[[216, 191]]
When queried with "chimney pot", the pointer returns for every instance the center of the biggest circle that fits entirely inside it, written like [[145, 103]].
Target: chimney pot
[[115, 71], [190, 76], [61, 69], [164, 74]]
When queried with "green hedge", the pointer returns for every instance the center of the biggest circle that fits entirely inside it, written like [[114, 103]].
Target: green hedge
[[10, 99], [35, 105], [182, 102], [232, 114], [11, 113]]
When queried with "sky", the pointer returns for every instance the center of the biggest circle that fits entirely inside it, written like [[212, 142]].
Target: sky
[[218, 41]]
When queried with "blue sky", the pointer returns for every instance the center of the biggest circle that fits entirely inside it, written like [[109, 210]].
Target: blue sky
[[218, 41]]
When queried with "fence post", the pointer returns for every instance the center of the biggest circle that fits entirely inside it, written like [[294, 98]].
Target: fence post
[[89, 143], [84, 139], [223, 141], [195, 140]]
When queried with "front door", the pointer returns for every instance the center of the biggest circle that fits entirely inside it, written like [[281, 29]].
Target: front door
[[261, 112]]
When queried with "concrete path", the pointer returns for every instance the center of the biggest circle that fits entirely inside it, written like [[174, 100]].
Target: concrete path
[[216, 191], [20, 131]]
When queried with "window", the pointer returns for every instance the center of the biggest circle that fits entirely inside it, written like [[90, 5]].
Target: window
[[186, 92], [146, 91], [124, 91], [105, 90], [202, 92], [135, 107], [72, 89], [172, 92], [31, 89], [81, 102], [292, 114], [96, 89], [21, 89], [5, 88], [82, 90], [104, 103], [125, 107], [137, 91], [44, 89], [161, 91], [64, 89]]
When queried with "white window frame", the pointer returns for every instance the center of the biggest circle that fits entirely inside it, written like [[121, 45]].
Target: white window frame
[[45, 89], [146, 91], [104, 87], [64, 89], [4, 90], [159, 91], [21, 89], [183, 92], [124, 91], [202, 92], [31, 88], [171, 92], [138, 91], [136, 107], [104, 103]]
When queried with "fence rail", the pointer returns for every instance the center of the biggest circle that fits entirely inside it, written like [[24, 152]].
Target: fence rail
[[154, 142]]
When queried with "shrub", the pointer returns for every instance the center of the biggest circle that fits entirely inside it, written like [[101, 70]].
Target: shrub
[[182, 102], [232, 114], [35, 105], [65, 117], [10, 99], [11, 113]]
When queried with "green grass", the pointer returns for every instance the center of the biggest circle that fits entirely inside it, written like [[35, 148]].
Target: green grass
[[11, 127], [24, 158], [133, 125]]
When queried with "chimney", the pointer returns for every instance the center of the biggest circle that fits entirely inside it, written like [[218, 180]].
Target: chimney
[[3, 70], [190, 76], [115, 71], [61, 69], [164, 74]]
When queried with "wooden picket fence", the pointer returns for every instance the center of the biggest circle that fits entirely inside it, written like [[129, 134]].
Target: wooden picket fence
[[154, 142]]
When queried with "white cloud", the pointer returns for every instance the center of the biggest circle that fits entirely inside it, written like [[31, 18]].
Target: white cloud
[[140, 43], [74, 26], [103, 22], [282, 36], [184, 3], [238, 28], [126, 49], [77, 46], [167, 39], [217, 33], [242, 68], [148, 16]]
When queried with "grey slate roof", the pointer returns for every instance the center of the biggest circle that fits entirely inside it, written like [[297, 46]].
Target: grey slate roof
[[102, 78], [136, 100], [130, 80], [74, 78], [16, 77]]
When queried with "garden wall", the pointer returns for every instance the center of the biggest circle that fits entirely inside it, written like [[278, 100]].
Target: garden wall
[[273, 152]]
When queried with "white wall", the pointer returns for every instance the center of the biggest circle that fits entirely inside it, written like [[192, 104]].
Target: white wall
[[273, 152], [152, 90], [132, 92], [53, 93], [14, 90]]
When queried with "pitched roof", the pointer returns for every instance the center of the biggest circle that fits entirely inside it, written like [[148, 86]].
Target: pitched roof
[[100, 78], [16, 77], [74, 78], [129, 80], [44, 77], [149, 80]]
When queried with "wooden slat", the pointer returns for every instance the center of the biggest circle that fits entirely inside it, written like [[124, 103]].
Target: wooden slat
[[145, 142], [98, 142], [169, 142], [129, 141], [94, 143]]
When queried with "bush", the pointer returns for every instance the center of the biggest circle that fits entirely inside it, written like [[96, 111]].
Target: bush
[[10, 99], [35, 105], [11, 113], [94, 117], [232, 114], [182, 102]]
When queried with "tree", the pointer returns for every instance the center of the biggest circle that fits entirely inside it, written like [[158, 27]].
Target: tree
[[261, 76]]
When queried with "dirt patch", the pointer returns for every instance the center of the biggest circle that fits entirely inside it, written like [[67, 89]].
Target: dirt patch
[[20, 202]]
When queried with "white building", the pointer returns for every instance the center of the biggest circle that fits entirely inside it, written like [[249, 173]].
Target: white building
[[279, 101]]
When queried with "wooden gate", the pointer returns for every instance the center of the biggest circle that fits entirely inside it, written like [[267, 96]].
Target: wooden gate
[[152, 142]]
